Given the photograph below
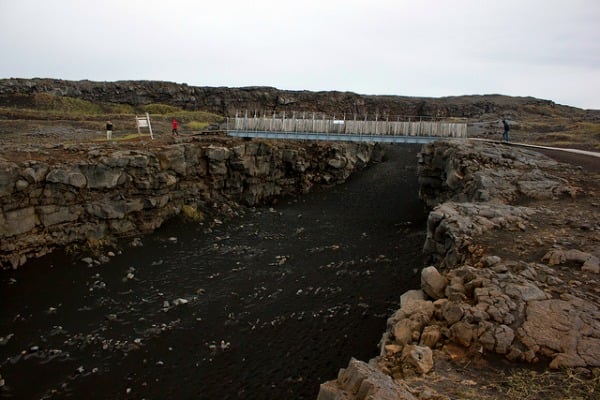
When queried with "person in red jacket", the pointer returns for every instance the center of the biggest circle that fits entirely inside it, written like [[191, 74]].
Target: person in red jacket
[[175, 126]]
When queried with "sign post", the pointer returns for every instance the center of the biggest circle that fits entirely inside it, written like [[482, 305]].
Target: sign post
[[144, 122]]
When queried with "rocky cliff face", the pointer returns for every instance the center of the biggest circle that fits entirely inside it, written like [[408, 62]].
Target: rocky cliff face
[[56, 196], [514, 237], [226, 101]]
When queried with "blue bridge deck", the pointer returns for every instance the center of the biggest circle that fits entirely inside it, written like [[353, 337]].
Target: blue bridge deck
[[334, 137]]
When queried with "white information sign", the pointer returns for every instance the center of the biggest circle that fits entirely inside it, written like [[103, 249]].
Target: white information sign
[[144, 122]]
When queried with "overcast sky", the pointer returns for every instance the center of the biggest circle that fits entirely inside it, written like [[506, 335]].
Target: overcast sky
[[548, 49]]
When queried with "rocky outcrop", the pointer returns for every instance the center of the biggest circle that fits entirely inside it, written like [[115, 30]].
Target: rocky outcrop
[[362, 381], [475, 171], [475, 187], [84, 193], [226, 101], [515, 265], [506, 308]]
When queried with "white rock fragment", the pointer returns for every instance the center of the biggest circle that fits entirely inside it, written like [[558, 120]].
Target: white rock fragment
[[433, 283], [410, 296], [5, 339]]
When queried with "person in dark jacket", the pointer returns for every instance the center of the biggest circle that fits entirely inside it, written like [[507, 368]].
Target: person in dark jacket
[[109, 129], [505, 136]]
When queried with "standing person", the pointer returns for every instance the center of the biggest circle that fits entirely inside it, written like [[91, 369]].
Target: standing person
[[175, 126], [506, 129], [109, 129]]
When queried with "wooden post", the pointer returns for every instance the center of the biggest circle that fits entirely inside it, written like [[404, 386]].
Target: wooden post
[[149, 126], [137, 124]]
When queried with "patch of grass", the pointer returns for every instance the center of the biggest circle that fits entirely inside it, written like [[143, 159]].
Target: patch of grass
[[188, 117], [192, 213], [160, 109], [50, 102], [47, 106], [201, 116], [124, 138], [92, 246], [96, 245], [561, 132], [197, 125], [73, 106], [567, 384]]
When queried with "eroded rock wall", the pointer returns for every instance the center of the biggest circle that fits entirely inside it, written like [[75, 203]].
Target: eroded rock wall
[[71, 194]]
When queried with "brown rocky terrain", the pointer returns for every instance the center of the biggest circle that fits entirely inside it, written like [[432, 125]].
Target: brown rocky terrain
[[515, 245]]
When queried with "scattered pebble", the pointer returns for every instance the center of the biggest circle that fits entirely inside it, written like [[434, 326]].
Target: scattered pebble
[[5, 339]]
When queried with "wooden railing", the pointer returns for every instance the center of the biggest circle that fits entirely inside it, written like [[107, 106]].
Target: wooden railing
[[407, 126]]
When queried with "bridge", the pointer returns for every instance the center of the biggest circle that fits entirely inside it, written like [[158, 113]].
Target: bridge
[[310, 126]]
